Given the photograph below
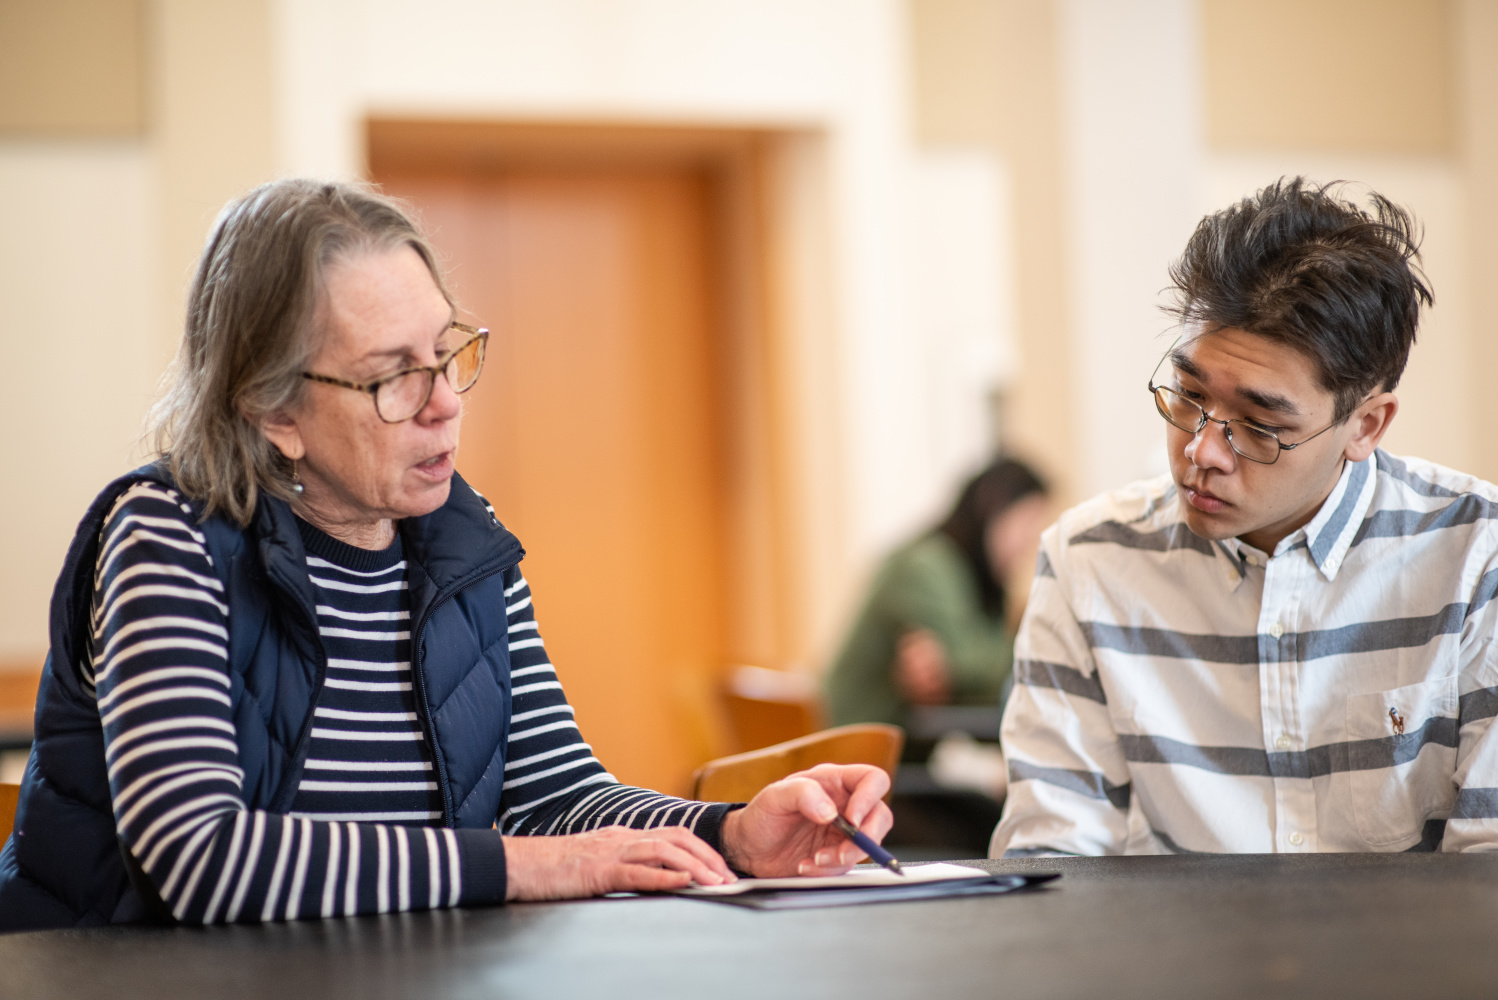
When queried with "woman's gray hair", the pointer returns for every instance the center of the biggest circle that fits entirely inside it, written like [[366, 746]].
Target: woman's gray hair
[[251, 331]]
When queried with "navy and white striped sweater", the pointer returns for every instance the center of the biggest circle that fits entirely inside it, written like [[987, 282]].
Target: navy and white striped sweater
[[360, 836], [367, 760]]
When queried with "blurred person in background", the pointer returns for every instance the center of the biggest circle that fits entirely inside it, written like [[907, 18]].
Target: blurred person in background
[[936, 627]]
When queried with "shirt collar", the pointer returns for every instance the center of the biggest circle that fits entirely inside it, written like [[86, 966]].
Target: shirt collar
[[1326, 537], [1329, 534]]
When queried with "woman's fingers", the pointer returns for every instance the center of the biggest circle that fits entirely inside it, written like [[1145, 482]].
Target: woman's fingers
[[877, 821], [695, 846], [704, 852], [789, 823], [844, 855], [813, 868], [646, 878], [610, 860], [805, 795], [859, 788], [866, 796], [676, 852]]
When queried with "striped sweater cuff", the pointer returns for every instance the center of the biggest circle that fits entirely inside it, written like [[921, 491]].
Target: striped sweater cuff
[[482, 862], [709, 825]]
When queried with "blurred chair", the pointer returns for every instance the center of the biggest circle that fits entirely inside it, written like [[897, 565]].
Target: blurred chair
[[18, 683], [738, 778], [9, 796], [931, 723], [772, 706]]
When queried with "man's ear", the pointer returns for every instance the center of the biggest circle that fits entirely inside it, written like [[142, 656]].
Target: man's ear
[[1369, 422], [281, 430]]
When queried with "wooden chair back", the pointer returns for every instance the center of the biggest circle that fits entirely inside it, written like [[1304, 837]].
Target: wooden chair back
[[9, 796], [771, 706], [738, 778]]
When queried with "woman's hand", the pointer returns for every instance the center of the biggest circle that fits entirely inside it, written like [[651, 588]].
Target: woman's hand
[[784, 830], [614, 859], [921, 674]]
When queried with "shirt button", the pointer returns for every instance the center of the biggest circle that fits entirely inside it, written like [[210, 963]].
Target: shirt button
[[1276, 630], [1283, 743], [1296, 839]]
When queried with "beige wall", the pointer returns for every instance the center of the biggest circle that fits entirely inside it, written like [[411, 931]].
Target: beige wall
[[77, 317], [1476, 27], [985, 74], [104, 204], [72, 67], [1358, 76], [1401, 95], [213, 127]]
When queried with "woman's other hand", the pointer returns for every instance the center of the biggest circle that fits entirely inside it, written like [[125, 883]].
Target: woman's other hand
[[785, 829], [613, 859], [921, 674]]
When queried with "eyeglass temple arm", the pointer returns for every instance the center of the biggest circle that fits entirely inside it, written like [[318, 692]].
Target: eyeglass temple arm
[[330, 380]]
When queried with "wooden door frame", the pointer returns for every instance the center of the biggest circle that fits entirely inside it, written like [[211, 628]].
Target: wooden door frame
[[784, 545]]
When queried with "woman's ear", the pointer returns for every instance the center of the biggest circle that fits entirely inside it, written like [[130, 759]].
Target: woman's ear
[[1369, 422], [281, 430]]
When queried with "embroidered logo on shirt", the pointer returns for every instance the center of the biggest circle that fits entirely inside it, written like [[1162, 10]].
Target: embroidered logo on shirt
[[1397, 720]]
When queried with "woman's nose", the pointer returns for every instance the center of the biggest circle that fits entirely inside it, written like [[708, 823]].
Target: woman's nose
[[443, 404]]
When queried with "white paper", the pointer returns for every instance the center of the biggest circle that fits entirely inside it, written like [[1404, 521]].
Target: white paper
[[858, 878]]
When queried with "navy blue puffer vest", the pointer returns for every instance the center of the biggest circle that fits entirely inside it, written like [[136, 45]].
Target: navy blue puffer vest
[[63, 867]]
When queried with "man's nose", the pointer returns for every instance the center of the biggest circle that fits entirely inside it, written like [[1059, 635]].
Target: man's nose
[[1210, 449]]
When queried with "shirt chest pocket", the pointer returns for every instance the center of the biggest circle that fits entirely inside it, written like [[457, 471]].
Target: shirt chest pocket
[[1401, 753]]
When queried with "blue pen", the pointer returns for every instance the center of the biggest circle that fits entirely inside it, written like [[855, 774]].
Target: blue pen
[[867, 845]]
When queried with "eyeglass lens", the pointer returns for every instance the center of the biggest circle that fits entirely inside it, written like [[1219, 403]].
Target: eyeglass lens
[[1251, 442], [403, 397]]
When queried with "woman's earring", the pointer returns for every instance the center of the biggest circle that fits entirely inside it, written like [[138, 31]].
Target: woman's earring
[[296, 480]]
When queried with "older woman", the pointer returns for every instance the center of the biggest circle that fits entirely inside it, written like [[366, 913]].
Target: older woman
[[295, 668]]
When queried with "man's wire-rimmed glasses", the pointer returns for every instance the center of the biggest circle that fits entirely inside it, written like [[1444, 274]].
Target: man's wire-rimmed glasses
[[1247, 439], [401, 395]]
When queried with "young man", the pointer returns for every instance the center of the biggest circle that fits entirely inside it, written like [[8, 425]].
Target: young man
[[1288, 643]]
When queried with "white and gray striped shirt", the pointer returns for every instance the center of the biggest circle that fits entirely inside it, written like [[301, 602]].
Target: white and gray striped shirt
[[1179, 695]]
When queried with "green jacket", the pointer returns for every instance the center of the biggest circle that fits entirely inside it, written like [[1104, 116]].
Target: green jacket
[[925, 584]]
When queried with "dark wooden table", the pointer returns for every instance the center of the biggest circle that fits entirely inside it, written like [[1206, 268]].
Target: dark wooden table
[[1406, 926]]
